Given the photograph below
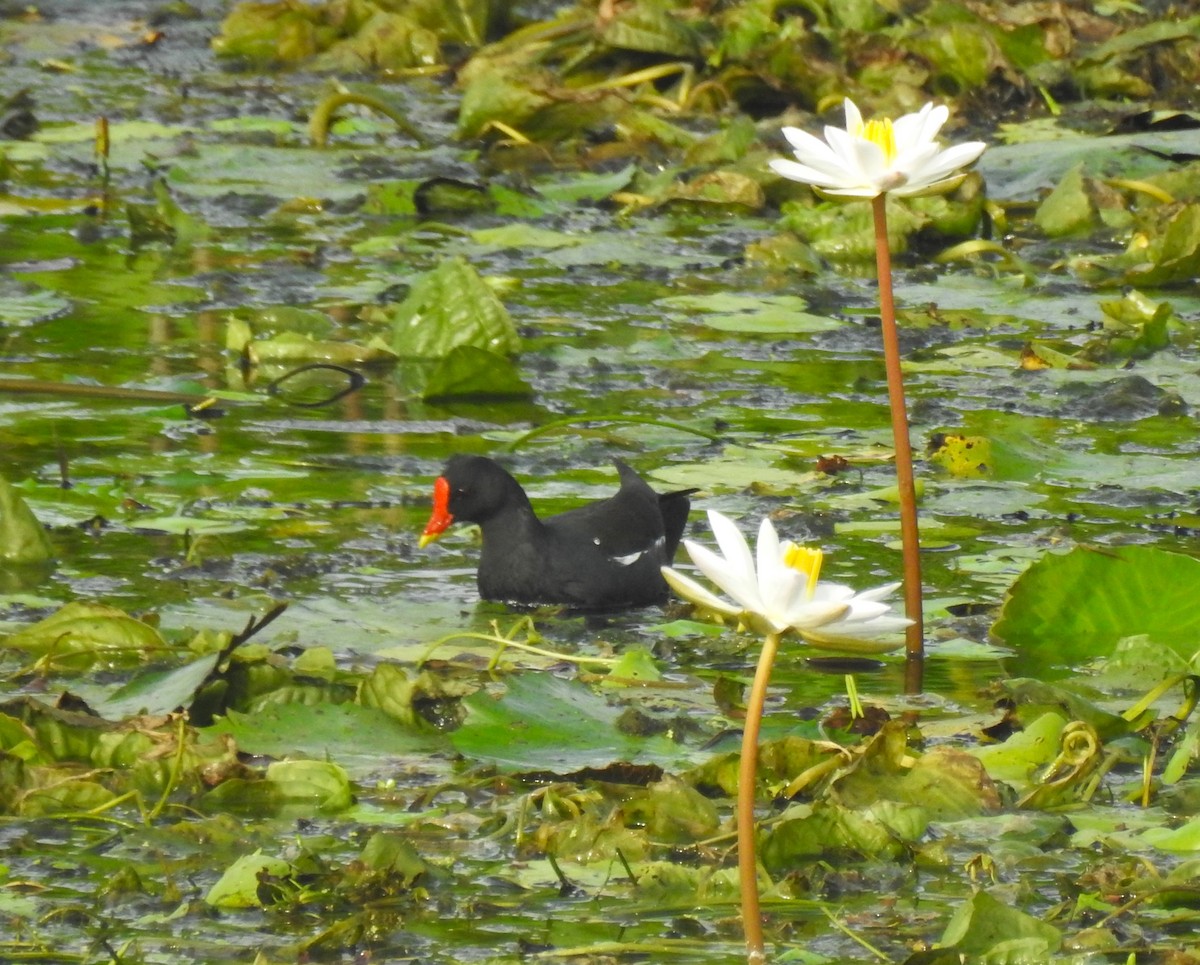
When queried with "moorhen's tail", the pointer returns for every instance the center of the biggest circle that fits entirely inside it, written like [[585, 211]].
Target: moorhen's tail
[[674, 508]]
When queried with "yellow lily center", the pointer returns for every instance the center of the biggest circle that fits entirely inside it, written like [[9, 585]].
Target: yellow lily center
[[804, 560], [880, 132]]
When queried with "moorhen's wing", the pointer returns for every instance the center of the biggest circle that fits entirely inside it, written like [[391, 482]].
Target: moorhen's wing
[[621, 527], [608, 554]]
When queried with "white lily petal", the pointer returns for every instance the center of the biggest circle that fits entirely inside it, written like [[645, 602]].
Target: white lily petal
[[915, 162], [863, 611], [854, 121], [832, 591], [880, 592], [806, 175], [822, 639], [733, 545], [864, 629], [921, 127], [738, 582], [847, 148], [783, 589], [767, 549], [865, 191], [693, 592], [815, 613], [951, 159], [812, 151], [797, 595]]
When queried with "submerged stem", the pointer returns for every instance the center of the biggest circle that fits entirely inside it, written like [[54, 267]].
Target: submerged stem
[[747, 779], [909, 535]]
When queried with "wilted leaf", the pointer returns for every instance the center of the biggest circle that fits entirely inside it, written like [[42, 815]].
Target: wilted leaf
[[673, 811], [966, 457], [238, 886], [880, 830], [1068, 209], [1018, 759], [293, 347], [389, 689], [89, 629], [22, 537], [321, 785], [651, 27], [386, 41]]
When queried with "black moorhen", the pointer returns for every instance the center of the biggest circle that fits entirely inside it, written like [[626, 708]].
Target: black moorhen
[[602, 556]]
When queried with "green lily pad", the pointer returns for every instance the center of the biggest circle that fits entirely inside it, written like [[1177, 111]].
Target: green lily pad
[[545, 723], [470, 372], [986, 929], [238, 886], [448, 307], [22, 538], [357, 737], [763, 314], [1069, 608], [157, 691]]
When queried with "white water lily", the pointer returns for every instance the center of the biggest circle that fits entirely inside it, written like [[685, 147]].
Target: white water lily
[[879, 156], [781, 591]]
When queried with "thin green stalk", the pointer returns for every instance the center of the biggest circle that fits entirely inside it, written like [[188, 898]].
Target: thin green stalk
[[909, 535], [747, 780]]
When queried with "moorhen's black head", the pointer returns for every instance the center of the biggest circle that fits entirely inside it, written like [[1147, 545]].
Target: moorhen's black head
[[478, 488], [471, 489]]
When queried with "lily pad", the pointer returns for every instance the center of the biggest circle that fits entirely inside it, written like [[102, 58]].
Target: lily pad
[[545, 723], [448, 307], [762, 314], [360, 738], [1072, 607]]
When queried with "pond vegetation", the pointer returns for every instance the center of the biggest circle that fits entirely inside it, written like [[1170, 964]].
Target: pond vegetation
[[266, 266]]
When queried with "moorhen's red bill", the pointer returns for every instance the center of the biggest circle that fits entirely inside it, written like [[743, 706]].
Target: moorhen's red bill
[[602, 556]]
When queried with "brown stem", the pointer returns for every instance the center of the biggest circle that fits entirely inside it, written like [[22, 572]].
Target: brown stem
[[909, 536], [747, 779]]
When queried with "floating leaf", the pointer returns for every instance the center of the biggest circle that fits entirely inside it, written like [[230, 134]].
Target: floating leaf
[[1068, 209], [89, 629], [293, 347], [966, 457], [22, 538], [157, 691], [544, 723], [474, 373], [1072, 607], [762, 314], [238, 886], [985, 929], [449, 307]]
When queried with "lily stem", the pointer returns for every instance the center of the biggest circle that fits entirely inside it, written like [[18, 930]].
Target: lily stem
[[747, 781], [909, 535]]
